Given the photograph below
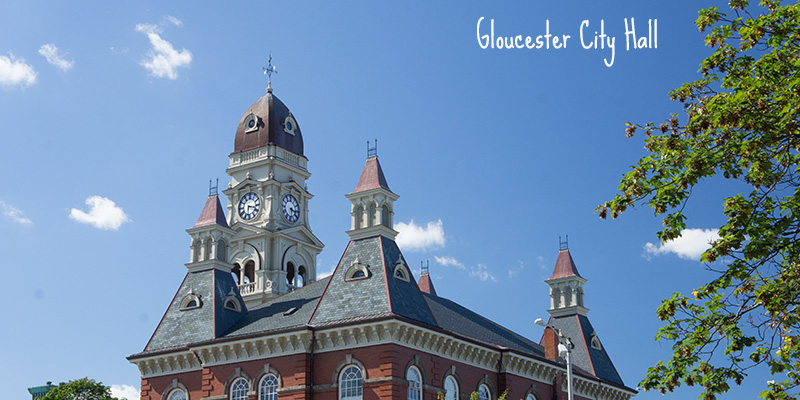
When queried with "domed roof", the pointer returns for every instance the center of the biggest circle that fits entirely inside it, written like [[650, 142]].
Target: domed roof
[[268, 121]]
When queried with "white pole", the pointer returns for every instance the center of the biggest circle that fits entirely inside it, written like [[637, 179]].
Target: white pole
[[569, 371]]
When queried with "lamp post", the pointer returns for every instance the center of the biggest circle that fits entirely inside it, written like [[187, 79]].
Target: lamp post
[[564, 351]]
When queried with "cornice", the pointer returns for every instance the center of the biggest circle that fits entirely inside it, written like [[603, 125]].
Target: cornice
[[392, 331]]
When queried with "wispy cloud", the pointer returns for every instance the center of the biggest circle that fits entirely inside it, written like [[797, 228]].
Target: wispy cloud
[[55, 57], [14, 214], [15, 72], [479, 271], [512, 272], [103, 214], [125, 391], [163, 60], [413, 237], [325, 274], [690, 245], [173, 20]]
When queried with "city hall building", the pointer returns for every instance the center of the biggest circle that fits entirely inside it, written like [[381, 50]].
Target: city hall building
[[250, 321]]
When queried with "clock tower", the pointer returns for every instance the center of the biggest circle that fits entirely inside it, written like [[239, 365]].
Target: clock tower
[[273, 250]]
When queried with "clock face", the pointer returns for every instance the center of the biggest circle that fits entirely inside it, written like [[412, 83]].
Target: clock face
[[249, 206], [291, 209]]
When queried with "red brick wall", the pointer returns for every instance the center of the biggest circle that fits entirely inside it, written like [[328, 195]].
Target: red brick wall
[[385, 376]]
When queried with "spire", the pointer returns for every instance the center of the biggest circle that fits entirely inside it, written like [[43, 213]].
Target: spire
[[565, 266], [371, 176], [566, 286], [212, 213]]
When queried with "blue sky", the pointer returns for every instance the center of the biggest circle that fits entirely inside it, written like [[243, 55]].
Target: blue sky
[[114, 117]]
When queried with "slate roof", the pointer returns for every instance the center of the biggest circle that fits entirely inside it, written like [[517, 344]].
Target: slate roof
[[597, 362], [179, 328], [371, 176], [457, 319], [212, 213], [379, 294]]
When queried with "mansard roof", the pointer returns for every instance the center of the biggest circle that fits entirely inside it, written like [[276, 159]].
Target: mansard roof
[[212, 213], [208, 321], [584, 355], [371, 176]]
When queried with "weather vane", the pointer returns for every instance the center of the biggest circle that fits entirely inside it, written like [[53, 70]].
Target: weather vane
[[268, 71]]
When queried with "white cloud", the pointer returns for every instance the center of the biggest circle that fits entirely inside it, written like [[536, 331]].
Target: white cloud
[[512, 272], [449, 261], [323, 275], [103, 214], [15, 72], [55, 57], [163, 60], [14, 214], [125, 391], [690, 245], [413, 237], [480, 271], [175, 21]]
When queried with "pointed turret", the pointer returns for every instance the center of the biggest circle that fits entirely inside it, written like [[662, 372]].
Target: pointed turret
[[568, 314], [372, 203], [566, 286], [211, 236], [425, 283]]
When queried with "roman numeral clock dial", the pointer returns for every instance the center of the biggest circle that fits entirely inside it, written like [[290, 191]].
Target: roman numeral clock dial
[[249, 206], [291, 208]]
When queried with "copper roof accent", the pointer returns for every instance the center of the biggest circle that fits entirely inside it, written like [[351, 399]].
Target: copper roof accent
[[372, 176], [212, 213], [272, 114], [426, 284], [565, 266]]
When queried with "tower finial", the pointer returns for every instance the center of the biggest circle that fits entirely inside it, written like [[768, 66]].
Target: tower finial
[[563, 245], [372, 151], [424, 268], [213, 189], [268, 71]]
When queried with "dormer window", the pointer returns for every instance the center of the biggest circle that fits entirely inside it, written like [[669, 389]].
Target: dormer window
[[401, 271], [190, 301], [596, 342], [251, 122], [357, 271], [289, 124], [231, 302]]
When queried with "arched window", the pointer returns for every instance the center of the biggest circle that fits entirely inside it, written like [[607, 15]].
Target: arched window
[[483, 392], [268, 389], [359, 217], [222, 251], [300, 279], [239, 389], [450, 388], [414, 384], [350, 383], [290, 273], [196, 247], [531, 396], [385, 216], [249, 272], [177, 394], [371, 213], [236, 273]]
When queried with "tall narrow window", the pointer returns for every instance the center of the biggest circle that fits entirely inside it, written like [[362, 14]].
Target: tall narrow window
[[268, 389], [350, 383], [414, 384], [450, 388], [239, 389], [483, 393]]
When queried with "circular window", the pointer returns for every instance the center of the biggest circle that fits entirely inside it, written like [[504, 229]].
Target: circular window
[[251, 123], [289, 125]]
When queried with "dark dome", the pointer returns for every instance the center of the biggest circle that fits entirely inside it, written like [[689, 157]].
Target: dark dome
[[268, 121]]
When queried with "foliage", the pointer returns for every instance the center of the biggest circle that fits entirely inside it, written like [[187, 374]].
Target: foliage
[[80, 389], [741, 124]]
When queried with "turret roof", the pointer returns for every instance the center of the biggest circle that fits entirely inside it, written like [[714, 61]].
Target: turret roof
[[212, 213], [372, 176], [565, 266]]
